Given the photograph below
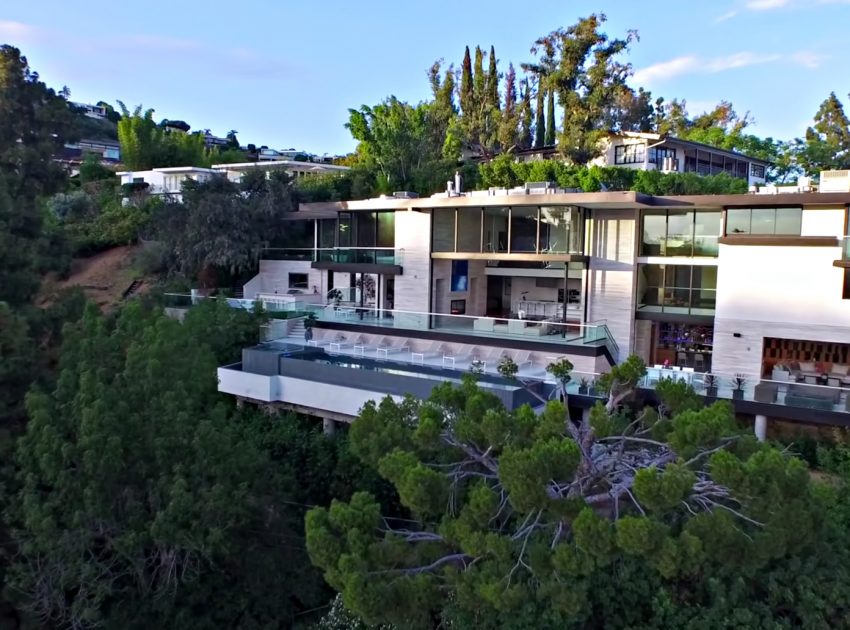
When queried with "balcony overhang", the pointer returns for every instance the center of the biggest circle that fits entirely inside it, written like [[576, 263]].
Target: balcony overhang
[[844, 263], [517, 257], [371, 268], [779, 241]]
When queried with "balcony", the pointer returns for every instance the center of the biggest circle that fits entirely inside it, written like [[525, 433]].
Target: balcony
[[354, 259]]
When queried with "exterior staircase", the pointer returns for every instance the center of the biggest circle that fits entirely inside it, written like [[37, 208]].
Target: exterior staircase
[[297, 330]]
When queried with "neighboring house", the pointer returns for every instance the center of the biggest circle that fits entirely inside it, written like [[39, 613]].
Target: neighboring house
[[73, 154], [169, 181], [92, 111], [653, 152], [413, 290], [166, 181], [211, 140]]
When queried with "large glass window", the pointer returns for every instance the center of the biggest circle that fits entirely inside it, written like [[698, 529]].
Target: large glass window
[[685, 289], [779, 221], [327, 233], [629, 154], [496, 230], [560, 230], [469, 229], [523, 230], [680, 233], [386, 229], [344, 229], [366, 229], [443, 230]]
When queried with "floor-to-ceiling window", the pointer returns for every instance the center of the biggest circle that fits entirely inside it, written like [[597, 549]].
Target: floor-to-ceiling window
[[682, 233], [682, 289]]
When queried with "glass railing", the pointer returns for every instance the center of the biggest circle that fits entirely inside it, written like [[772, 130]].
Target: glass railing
[[540, 331], [821, 395], [671, 300], [343, 255], [845, 249], [277, 308]]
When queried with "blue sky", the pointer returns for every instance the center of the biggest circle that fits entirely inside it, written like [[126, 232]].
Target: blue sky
[[285, 72]]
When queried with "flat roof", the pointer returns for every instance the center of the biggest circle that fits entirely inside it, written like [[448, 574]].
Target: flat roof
[[623, 200], [281, 164]]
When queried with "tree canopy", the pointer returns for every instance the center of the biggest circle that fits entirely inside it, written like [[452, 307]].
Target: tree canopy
[[626, 517]]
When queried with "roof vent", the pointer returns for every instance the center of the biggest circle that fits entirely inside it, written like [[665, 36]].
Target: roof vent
[[405, 194]]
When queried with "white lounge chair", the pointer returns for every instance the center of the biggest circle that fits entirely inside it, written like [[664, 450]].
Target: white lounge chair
[[391, 346]]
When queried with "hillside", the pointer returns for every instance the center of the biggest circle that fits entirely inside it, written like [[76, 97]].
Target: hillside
[[103, 277]]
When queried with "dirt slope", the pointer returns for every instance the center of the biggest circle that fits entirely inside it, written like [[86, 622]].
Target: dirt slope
[[103, 277]]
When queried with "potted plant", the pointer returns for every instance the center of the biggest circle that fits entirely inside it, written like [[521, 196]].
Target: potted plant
[[560, 370], [738, 382], [477, 366], [710, 385], [591, 387], [508, 368], [583, 384], [335, 296]]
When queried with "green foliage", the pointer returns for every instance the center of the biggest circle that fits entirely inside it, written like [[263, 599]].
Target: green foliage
[[504, 171], [827, 143], [137, 509], [146, 145], [677, 396], [511, 526], [222, 225]]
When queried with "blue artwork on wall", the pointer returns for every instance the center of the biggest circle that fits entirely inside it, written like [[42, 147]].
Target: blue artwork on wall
[[460, 275]]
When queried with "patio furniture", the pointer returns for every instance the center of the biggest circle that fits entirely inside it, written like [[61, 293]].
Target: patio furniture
[[399, 345], [766, 392], [841, 373], [812, 397], [431, 351]]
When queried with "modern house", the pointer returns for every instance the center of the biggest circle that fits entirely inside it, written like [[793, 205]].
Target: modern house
[[753, 289], [654, 152], [169, 180]]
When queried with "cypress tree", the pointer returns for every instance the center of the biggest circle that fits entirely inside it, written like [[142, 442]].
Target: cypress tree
[[467, 99], [479, 79], [524, 115], [492, 96], [550, 118], [539, 120]]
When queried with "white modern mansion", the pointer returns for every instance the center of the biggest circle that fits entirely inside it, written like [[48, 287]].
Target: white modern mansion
[[748, 286], [169, 180]]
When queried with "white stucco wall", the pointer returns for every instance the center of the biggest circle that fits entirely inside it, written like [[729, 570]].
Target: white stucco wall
[[611, 275], [413, 235], [784, 292]]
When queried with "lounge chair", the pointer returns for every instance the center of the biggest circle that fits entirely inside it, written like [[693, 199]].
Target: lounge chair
[[433, 350], [391, 346], [451, 358]]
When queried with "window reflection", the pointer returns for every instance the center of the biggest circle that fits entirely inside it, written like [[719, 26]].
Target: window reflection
[[685, 289], [680, 233]]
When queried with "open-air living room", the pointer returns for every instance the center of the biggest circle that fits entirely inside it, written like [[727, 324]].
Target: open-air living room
[[802, 373]]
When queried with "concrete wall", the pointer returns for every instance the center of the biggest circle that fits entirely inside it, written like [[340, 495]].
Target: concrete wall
[[611, 275], [785, 292], [253, 386], [413, 235], [475, 296], [643, 339], [274, 278]]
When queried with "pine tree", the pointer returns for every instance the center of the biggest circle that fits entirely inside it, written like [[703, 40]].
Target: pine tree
[[467, 98], [550, 118], [539, 119], [828, 141], [479, 79]]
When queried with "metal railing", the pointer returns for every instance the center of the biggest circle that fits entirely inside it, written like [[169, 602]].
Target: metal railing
[[356, 255]]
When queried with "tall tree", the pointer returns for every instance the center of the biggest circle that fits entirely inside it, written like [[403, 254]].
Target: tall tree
[[393, 137], [585, 75], [136, 511], [222, 226], [467, 94], [550, 118], [540, 116], [629, 517], [827, 142], [492, 89], [525, 115], [509, 121], [145, 145]]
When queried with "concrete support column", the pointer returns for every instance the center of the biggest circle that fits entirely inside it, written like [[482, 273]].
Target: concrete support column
[[328, 426], [761, 428]]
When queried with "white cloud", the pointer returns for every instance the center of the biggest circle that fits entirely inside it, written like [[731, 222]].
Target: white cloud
[[739, 60], [808, 59], [666, 69], [16, 33], [766, 5], [689, 64], [726, 16]]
